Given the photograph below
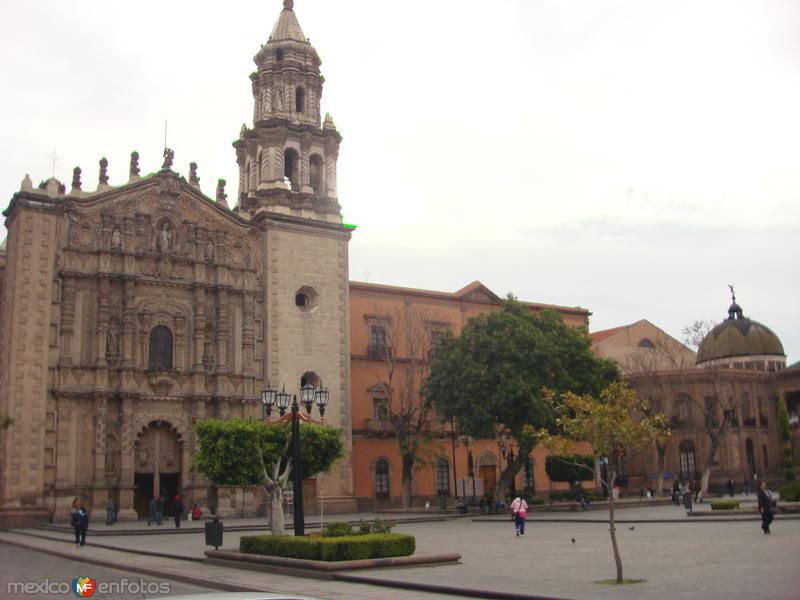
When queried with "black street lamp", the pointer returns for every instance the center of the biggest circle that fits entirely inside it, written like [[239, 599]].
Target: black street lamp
[[308, 394]]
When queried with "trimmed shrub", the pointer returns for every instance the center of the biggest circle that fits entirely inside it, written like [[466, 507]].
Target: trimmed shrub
[[724, 504], [559, 470], [381, 526], [338, 529], [790, 492], [355, 547]]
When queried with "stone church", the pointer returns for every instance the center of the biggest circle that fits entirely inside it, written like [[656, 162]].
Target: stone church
[[130, 313]]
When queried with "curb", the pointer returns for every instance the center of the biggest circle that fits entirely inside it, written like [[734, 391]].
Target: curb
[[692, 519], [213, 584]]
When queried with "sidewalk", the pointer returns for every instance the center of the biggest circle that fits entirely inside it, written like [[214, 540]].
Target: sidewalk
[[693, 560]]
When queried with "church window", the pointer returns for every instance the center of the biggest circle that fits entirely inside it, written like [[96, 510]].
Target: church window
[[279, 55], [380, 409], [300, 100], [160, 349], [306, 299], [683, 411]]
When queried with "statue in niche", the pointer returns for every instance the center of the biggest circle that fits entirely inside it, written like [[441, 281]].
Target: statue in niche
[[116, 239], [169, 156], [134, 166], [164, 239], [208, 354], [210, 250], [112, 343]]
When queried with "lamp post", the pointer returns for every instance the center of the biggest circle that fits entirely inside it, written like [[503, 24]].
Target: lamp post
[[508, 454], [308, 394]]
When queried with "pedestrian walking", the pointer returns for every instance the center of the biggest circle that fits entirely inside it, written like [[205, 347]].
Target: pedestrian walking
[[178, 511], [519, 508], [110, 512], [159, 510], [746, 486], [81, 526], [766, 506], [152, 511], [731, 487]]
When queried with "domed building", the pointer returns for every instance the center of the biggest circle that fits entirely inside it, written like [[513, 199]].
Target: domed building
[[741, 343], [726, 400]]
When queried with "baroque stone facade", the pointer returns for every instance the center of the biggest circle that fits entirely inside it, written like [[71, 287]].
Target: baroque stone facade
[[132, 312]]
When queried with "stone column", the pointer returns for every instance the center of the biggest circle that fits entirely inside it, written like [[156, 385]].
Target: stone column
[[199, 329], [67, 321], [248, 333], [127, 443], [223, 360], [128, 342], [180, 344], [103, 312]]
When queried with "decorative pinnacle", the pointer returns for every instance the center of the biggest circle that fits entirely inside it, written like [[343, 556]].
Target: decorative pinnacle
[[288, 4], [733, 293]]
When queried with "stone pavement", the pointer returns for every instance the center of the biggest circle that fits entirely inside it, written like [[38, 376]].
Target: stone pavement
[[677, 556]]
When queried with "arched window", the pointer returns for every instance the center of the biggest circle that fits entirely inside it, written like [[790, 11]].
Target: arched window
[[279, 55], [300, 100], [688, 470], [260, 163], [442, 477], [160, 349], [645, 343], [316, 175], [291, 168], [382, 478]]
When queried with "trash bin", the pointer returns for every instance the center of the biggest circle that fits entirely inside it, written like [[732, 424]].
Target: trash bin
[[214, 533], [687, 501]]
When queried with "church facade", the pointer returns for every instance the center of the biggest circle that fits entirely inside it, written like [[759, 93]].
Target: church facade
[[130, 313]]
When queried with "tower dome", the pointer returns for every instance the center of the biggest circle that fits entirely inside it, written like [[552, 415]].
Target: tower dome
[[741, 343]]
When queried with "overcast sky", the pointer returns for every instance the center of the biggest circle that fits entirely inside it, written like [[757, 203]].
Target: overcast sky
[[632, 157]]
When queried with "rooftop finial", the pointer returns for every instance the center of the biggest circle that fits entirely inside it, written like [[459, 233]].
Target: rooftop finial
[[288, 4], [735, 311]]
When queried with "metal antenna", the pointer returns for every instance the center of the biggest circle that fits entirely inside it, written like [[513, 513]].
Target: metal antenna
[[54, 157], [165, 133]]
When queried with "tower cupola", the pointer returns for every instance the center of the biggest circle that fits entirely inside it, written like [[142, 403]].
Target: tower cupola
[[287, 159]]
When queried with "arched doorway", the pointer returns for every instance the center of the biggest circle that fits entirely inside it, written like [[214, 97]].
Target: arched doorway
[[157, 467]]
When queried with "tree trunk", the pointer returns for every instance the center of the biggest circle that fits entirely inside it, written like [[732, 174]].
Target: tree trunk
[[408, 476], [613, 529], [706, 477], [510, 472], [277, 521], [661, 451]]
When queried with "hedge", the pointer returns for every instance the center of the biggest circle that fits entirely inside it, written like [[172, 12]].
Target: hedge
[[356, 547], [576, 494], [560, 468], [724, 504], [790, 492]]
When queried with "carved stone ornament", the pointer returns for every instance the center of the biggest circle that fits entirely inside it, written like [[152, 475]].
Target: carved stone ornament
[[169, 157], [193, 178], [134, 166], [76, 178], [103, 171]]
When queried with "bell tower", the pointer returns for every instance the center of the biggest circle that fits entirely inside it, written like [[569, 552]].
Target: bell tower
[[287, 160], [287, 187]]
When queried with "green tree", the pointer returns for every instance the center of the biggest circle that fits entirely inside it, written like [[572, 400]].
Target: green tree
[[618, 427], [565, 468], [789, 470], [5, 421], [492, 377], [249, 452]]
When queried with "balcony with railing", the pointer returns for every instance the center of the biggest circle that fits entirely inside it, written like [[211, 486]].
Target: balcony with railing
[[379, 427]]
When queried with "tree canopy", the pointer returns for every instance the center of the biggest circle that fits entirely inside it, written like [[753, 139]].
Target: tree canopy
[[493, 375], [238, 452]]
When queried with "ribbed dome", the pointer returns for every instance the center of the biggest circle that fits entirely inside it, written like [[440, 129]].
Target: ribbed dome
[[739, 336]]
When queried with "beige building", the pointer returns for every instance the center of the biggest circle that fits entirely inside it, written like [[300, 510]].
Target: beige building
[[131, 312], [641, 346]]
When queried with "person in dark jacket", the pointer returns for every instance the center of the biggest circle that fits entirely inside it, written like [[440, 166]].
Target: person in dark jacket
[[81, 526], [178, 511], [765, 506]]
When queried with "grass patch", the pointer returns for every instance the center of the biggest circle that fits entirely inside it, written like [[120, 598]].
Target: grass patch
[[624, 581]]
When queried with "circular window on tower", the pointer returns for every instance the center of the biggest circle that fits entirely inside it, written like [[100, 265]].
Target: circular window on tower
[[306, 299]]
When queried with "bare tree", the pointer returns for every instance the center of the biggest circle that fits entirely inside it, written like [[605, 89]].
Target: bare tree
[[404, 351]]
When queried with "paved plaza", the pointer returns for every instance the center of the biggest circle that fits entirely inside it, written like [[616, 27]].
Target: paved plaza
[[677, 556]]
